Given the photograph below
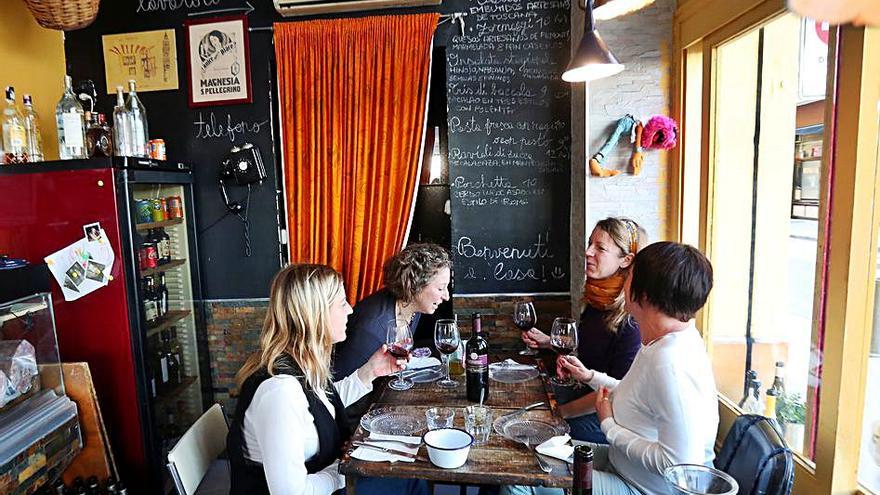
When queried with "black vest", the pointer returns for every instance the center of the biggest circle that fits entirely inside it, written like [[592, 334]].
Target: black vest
[[247, 477]]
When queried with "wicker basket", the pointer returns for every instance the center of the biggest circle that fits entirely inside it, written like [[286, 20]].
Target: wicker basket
[[65, 15]]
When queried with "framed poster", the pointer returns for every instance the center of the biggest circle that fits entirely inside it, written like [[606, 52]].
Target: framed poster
[[218, 61], [813, 60], [148, 57]]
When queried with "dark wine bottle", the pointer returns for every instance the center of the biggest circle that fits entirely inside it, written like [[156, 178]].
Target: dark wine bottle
[[163, 295], [165, 240], [582, 481], [477, 363]]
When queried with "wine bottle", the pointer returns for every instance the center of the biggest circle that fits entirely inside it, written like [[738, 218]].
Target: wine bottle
[[32, 131], [582, 481], [165, 240], [163, 295], [151, 310], [71, 124], [477, 363]]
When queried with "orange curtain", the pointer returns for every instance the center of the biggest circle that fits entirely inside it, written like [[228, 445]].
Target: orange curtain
[[352, 94]]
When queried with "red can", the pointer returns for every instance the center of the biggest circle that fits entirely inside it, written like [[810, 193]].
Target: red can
[[148, 256], [157, 149], [175, 207]]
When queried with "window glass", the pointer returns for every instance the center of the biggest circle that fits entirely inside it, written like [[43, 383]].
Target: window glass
[[764, 206]]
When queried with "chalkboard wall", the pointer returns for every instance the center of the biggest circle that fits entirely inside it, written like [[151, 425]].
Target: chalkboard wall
[[509, 148]]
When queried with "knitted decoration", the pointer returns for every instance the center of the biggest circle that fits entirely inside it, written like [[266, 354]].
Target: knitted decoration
[[661, 133], [624, 126]]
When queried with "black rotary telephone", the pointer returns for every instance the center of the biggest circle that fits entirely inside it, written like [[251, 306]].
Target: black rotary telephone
[[244, 166]]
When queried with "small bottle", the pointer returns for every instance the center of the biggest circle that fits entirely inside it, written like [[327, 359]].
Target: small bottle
[[69, 117], [121, 126], [164, 239], [138, 140], [32, 131], [751, 376], [14, 135], [151, 310], [582, 481], [752, 404], [477, 363], [92, 487], [779, 379], [98, 139], [770, 403], [163, 294]]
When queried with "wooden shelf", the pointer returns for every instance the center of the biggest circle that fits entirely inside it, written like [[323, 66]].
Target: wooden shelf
[[170, 319], [20, 310], [163, 268], [177, 390], [157, 225]]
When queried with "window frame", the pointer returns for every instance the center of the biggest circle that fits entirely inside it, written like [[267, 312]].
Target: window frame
[[843, 304]]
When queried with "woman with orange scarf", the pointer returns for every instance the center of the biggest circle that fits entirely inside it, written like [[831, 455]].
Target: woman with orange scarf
[[608, 338]]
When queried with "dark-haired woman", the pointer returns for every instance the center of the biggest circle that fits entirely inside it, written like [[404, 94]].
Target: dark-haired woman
[[416, 282], [608, 338]]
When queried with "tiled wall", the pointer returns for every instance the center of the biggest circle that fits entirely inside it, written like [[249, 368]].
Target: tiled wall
[[233, 328], [495, 317]]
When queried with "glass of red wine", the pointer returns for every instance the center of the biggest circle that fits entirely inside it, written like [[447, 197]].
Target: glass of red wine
[[447, 340], [525, 318], [563, 340], [400, 341]]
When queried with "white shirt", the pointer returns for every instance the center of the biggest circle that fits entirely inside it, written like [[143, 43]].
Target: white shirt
[[665, 410], [279, 433]]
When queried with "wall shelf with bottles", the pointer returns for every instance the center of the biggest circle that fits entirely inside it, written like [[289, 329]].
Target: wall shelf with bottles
[[158, 225], [169, 320], [161, 268]]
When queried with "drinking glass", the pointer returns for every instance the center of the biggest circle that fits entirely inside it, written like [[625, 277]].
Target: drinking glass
[[478, 422], [400, 341], [563, 340], [524, 317], [439, 417], [447, 340]]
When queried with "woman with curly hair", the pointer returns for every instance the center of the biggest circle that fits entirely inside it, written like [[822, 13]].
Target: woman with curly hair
[[416, 282]]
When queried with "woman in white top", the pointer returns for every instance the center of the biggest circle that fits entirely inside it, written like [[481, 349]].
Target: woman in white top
[[664, 411], [289, 426]]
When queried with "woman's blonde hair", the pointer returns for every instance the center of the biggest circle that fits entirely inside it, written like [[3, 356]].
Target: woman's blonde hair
[[629, 237], [297, 323]]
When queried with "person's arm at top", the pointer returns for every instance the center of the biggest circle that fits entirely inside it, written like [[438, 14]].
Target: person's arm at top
[[678, 441], [278, 416]]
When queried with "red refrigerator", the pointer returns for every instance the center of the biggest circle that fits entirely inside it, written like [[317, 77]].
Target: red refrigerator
[[43, 208]]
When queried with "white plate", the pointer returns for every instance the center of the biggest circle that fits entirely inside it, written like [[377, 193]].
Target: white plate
[[500, 372], [394, 421], [537, 431], [427, 376]]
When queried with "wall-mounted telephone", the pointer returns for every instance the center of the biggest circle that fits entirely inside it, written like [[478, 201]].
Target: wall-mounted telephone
[[244, 167]]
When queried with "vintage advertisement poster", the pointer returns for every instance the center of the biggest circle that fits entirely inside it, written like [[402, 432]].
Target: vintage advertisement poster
[[148, 57], [219, 67]]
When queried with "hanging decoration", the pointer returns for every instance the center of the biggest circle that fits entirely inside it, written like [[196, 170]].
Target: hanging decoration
[[660, 133]]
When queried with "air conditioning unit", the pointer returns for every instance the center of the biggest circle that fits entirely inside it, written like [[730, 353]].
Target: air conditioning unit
[[292, 8]]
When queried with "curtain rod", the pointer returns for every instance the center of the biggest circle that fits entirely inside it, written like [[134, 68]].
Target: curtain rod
[[452, 16]]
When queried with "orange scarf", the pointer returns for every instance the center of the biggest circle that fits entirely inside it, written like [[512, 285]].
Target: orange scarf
[[601, 293]]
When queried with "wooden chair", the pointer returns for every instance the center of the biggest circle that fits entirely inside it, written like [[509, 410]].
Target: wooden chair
[[196, 454]]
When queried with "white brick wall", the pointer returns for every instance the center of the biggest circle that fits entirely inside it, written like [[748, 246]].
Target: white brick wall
[[643, 42]]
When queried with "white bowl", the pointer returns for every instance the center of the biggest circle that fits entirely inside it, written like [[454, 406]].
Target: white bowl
[[448, 448]]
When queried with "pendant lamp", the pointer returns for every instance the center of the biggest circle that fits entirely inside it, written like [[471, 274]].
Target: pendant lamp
[[592, 60]]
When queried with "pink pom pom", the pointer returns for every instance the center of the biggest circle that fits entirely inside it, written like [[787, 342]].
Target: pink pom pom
[[661, 133]]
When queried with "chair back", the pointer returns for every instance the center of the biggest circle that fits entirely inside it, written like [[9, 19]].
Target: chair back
[[757, 457], [202, 443]]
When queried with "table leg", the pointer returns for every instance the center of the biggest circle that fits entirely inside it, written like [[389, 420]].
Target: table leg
[[351, 484]]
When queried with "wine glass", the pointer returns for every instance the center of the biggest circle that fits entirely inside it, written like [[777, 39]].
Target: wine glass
[[447, 340], [400, 341], [563, 340], [524, 317]]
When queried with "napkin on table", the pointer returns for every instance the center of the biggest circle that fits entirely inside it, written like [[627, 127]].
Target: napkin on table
[[377, 440], [557, 447], [416, 363]]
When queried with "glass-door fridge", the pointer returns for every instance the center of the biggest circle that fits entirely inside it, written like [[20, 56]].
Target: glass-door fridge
[[143, 333]]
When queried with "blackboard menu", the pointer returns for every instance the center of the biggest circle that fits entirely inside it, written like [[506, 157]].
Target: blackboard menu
[[509, 120]]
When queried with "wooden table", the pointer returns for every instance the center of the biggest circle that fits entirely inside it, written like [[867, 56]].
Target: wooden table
[[498, 462]]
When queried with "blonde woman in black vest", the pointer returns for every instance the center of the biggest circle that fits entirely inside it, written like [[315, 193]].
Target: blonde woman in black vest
[[290, 425]]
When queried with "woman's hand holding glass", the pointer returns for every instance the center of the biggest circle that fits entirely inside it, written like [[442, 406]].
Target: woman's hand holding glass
[[382, 363], [536, 339], [570, 366], [399, 341]]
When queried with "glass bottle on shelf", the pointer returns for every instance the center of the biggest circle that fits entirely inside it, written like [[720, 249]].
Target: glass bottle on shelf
[[173, 363], [32, 131], [165, 239], [161, 361], [121, 126], [151, 309], [163, 295], [138, 120], [71, 124], [176, 351], [98, 139], [14, 136]]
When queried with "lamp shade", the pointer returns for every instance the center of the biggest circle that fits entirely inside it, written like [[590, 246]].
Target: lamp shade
[[609, 9], [592, 60]]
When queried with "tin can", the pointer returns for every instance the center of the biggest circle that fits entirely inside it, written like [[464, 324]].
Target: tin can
[[148, 256], [158, 214], [143, 209], [175, 207], [164, 203], [157, 149]]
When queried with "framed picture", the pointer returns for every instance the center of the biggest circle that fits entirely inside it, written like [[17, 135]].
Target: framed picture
[[218, 61], [148, 57]]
